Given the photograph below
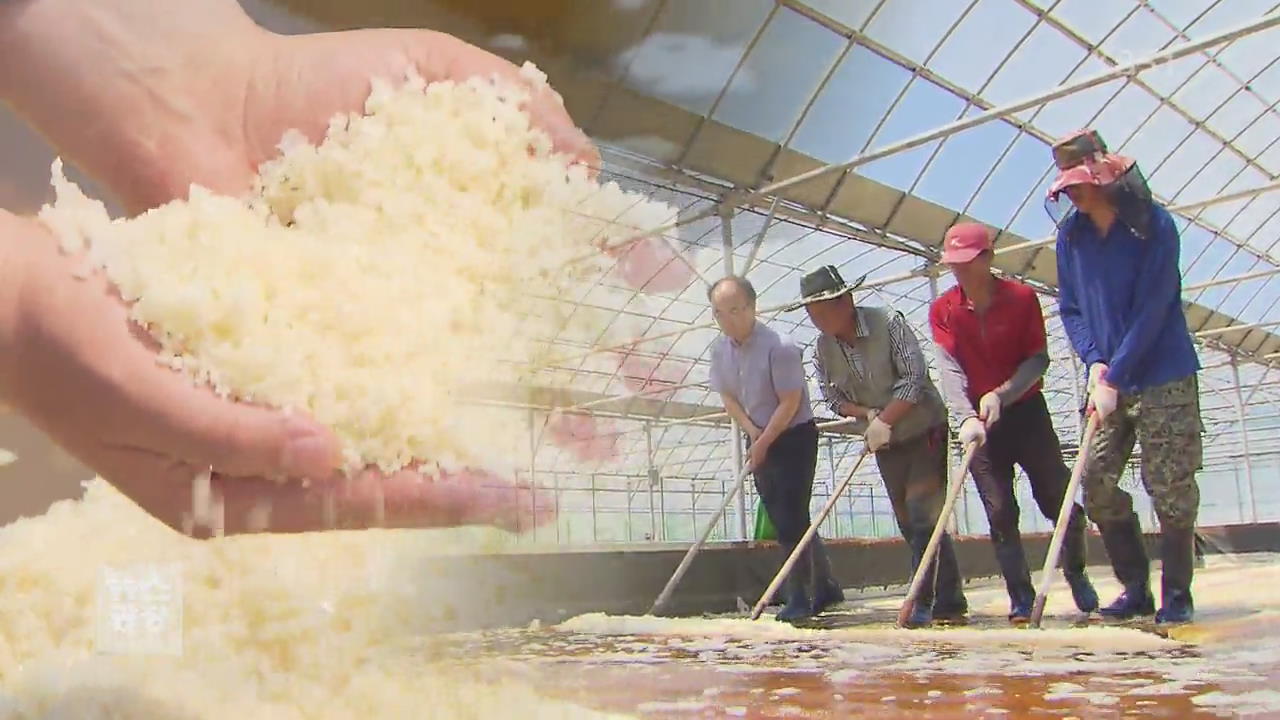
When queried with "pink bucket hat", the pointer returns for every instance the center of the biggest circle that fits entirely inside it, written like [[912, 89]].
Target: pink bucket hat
[[1102, 170]]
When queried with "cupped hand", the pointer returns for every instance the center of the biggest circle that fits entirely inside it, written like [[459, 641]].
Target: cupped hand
[[276, 83], [81, 371], [149, 101]]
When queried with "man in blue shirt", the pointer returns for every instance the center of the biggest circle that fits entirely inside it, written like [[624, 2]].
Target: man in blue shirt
[[1120, 296]]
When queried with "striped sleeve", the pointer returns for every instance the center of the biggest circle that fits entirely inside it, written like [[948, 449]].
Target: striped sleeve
[[908, 360]]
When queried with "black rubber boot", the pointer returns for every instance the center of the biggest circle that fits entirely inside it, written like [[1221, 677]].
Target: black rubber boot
[[1017, 577], [826, 591], [950, 604], [922, 612], [798, 605], [1082, 592], [1074, 561], [1123, 541], [1177, 553]]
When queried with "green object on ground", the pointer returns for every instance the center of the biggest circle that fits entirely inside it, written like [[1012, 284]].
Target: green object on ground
[[764, 526]]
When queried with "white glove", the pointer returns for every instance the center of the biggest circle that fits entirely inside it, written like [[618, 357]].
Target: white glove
[[1102, 397], [989, 409], [878, 433], [972, 431]]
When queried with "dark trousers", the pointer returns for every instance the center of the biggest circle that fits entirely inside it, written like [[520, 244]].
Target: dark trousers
[[1025, 437], [785, 483], [914, 472]]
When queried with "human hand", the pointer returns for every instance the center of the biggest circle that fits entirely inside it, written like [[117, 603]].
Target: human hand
[[1103, 398], [203, 95], [757, 453], [878, 433], [972, 430], [1097, 372], [989, 408], [74, 364], [753, 432]]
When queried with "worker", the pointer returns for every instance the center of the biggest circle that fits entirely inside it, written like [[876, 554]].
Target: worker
[[870, 368], [992, 354], [1120, 296], [760, 377]]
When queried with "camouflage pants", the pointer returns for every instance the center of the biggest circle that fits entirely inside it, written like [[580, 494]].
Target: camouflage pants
[[1165, 421]]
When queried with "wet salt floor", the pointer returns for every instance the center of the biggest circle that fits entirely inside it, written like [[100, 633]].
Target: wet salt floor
[[858, 665]]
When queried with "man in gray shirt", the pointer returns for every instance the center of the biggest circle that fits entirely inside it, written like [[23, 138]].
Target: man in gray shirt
[[760, 377], [871, 369]]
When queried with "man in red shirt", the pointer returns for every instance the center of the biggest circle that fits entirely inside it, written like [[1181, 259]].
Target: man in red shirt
[[992, 355]]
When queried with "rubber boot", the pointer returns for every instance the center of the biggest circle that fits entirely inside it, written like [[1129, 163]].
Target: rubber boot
[[1123, 541], [826, 591], [922, 611], [1017, 577], [1177, 553], [798, 605], [1073, 564], [950, 604]]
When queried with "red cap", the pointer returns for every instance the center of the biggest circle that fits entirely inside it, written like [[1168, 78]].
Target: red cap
[[964, 242]]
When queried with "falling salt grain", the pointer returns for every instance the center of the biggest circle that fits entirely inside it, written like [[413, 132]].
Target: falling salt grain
[[202, 498], [259, 516], [218, 516]]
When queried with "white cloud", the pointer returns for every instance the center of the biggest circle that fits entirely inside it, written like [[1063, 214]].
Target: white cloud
[[683, 65]]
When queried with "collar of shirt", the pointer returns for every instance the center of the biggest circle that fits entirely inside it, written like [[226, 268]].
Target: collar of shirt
[[755, 332], [998, 292], [860, 326], [1084, 227]]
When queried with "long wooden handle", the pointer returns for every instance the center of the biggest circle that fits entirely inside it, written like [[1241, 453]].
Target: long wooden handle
[[683, 567], [917, 580], [804, 540], [1064, 519]]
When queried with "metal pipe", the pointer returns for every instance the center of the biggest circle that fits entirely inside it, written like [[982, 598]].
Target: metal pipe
[[738, 467], [1228, 197], [1233, 328], [1244, 441], [755, 246], [1236, 279], [726, 236]]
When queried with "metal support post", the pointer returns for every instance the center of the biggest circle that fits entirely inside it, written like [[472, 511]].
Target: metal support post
[[1244, 442], [736, 439], [831, 464]]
